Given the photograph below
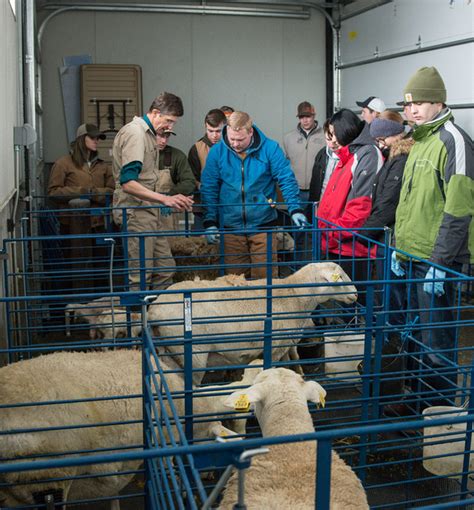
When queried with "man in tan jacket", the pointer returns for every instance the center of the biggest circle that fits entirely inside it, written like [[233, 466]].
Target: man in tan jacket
[[138, 178]]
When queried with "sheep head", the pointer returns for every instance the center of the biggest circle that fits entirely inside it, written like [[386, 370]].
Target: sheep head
[[21, 493], [330, 273], [284, 241], [216, 429], [276, 384], [102, 326]]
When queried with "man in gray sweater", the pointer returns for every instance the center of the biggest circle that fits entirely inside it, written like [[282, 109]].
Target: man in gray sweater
[[301, 146]]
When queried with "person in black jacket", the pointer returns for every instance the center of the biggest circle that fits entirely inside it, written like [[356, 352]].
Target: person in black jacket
[[388, 131]]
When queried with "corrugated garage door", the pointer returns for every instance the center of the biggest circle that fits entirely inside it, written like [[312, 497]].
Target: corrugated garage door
[[382, 48]]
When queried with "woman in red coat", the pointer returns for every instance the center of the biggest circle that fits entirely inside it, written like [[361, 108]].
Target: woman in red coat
[[347, 201]]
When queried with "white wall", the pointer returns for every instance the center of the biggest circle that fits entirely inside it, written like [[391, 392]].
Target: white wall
[[9, 94], [396, 27], [9, 80], [262, 65]]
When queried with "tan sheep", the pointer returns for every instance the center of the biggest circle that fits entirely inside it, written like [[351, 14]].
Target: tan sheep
[[195, 252], [74, 376], [231, 312], [192, 252], [285, 477]]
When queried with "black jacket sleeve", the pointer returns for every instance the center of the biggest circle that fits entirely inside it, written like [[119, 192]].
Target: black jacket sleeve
[[317, 176], [387, 195], [194, 163]]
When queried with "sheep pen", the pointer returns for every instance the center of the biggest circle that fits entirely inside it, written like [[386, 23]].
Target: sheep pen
[[238, 310]]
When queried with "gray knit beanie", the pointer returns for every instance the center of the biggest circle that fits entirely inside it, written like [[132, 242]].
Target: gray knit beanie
[[426, 85], [381, 128]]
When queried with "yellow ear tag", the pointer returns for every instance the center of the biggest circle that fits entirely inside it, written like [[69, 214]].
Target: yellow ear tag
[[242, 404], [222, 434], [336, 277], [322, 401]]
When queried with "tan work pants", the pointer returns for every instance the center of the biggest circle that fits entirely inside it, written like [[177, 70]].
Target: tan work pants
[[159, 263], [249, 249]]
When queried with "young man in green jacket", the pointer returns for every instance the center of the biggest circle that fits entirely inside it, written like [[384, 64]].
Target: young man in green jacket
[[434, 222]]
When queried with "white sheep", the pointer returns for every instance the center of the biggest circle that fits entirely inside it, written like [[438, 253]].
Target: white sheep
[[80, 375], [285, 477], [113, 325], [88, 312], [232, 312], [105, 317]]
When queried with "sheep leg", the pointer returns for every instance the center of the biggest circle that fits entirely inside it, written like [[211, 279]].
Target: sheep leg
[[292, 354], [199, 361]]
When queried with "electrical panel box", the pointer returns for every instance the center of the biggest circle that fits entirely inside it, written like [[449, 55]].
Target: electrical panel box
[[111, 95]]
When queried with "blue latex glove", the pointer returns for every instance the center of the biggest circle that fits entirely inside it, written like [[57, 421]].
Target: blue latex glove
[[299, 219], [395, 265], [166, 211], [436, 287], [212, 235]]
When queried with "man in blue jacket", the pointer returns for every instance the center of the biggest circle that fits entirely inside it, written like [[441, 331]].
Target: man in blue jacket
[[238, 191]]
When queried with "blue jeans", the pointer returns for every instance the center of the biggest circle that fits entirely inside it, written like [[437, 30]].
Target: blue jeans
[[435, 356], [198, 222]]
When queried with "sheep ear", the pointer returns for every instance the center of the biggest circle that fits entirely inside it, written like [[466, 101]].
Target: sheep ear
[[240, 400], [331, 272], [315, 393]]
